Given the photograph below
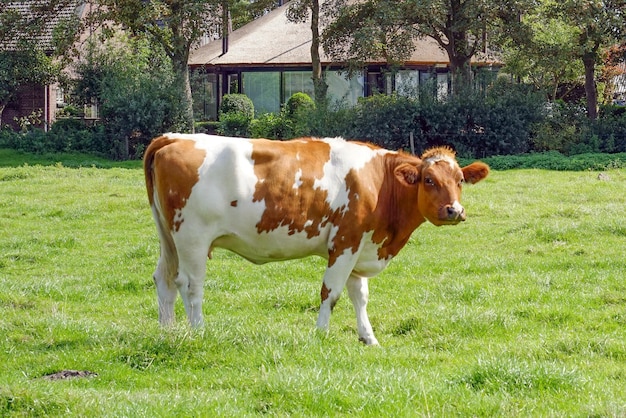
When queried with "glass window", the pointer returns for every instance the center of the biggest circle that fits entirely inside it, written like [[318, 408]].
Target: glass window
[[345, 90], [263, 88], [442, 85], [407, 83], [233, 83], [297, 82], [204, 91]]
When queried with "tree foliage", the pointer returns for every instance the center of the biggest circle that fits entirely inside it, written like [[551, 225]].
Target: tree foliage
[[546, 58], [379, 29], [135, 86], [597, 25], [173, 25]]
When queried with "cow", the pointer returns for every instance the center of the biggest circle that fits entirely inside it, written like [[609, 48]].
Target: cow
[[352, 203]]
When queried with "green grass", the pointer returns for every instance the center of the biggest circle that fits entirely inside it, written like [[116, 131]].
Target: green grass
[[520, 311]]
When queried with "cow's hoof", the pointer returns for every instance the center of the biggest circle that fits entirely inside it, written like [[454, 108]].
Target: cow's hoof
[[371, 340]]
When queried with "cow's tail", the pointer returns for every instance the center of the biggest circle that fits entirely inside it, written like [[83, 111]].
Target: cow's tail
[[168, 263]]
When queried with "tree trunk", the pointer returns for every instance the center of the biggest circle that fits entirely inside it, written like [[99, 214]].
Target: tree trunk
[[179, 60], [589, 61], [319, 84], [461, 73]]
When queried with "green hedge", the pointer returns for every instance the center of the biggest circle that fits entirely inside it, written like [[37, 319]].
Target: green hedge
[[506, 119]]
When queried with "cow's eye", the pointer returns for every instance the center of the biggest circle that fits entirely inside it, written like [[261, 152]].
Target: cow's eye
[[429, 182]]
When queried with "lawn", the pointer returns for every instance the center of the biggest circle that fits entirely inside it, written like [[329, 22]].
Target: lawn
[[519, 311]]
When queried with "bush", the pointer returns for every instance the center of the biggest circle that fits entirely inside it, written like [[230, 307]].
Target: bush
[[137, 90], [298, 104], [561, 127], [206, 127], [500, 121], [237, 103], [325, 121], [553, 160], [234, 124], [272, 126], [385, 120], [297, 113], [236, 113]]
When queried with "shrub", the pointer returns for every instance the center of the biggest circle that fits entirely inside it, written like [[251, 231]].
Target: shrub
[[206, 127], [326, 121], [137, 90], [385, 120], [298, 111], [237, 103], [234, 124], [299, 103], [272, 126], [236, 113], [561, 127]]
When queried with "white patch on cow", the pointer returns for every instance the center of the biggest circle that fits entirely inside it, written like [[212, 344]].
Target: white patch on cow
[[344, 156], [178, 216], [437, 158], [298, 182], [457, 206]]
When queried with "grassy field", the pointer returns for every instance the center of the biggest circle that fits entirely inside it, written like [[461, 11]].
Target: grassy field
[[520, 311]]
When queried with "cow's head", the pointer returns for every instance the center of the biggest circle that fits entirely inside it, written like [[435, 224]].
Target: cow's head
[[440, 180]]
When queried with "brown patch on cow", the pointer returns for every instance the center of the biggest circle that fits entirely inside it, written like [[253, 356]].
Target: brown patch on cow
[[289, 194], [233, 203], [379, 202], [400, 216], [175, 173], [325, 292]]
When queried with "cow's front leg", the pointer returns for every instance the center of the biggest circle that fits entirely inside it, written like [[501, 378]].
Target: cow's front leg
[[359, 294], [335, 279], [330, 293]]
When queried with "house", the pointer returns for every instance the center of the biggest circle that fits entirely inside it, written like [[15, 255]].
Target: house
[[269, 59], [36, 102]]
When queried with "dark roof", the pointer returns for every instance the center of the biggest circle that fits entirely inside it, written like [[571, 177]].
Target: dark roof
[[272, 40], [41, 24]]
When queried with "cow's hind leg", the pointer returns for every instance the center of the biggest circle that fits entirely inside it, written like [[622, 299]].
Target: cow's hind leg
[[190, 279], [166, 289], [164, 276], [359, 294]]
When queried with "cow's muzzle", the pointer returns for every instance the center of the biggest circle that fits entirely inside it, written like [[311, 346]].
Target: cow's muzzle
[[452, 214]]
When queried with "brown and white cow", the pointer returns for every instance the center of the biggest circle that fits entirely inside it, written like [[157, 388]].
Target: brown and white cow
[[352, 203]]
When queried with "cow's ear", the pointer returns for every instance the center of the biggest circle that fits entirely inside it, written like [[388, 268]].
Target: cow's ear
[[408, 174], [475, 172]]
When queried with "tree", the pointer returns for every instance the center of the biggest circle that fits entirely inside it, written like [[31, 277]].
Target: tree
[[598, 24], [547, 57], [134, 85], [369, 29], [174, 25], [299, 11], [613, 66]]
